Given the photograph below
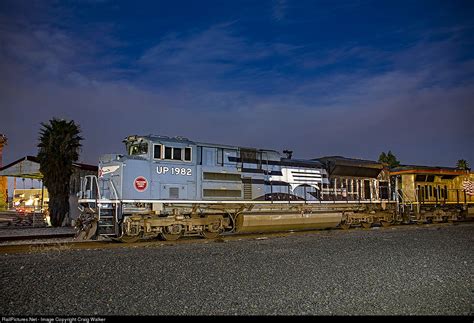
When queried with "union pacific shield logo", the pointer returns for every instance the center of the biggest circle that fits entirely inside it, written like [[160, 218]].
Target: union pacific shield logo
[[140, 183]]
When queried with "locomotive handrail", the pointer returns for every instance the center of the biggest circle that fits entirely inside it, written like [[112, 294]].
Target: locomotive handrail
[[116, 198], [113, 187]]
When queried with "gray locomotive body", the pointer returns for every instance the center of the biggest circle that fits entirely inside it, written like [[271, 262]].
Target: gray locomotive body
[[173, 187]]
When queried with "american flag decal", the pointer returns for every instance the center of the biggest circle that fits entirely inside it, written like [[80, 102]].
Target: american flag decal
[[468, 186]]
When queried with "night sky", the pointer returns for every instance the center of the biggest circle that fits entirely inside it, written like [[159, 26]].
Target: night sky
[[350, 78]]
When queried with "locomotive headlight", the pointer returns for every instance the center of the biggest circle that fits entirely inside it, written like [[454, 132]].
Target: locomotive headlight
[[108, 169]]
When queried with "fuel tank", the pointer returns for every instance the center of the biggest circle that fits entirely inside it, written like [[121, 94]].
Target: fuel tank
[[284, 221]]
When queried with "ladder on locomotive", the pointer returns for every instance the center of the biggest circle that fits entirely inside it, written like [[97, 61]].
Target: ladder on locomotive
[[106, 205], [406, 206], [107, 211]]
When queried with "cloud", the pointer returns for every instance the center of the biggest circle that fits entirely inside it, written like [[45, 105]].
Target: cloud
[[210, 55], [279, 9], [215, 85]]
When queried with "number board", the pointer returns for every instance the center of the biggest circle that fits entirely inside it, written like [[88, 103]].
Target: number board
[[182, 171]]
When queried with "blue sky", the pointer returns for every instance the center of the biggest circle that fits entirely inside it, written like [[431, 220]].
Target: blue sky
[[350, 78]]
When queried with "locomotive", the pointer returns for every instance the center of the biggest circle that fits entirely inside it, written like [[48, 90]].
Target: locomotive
[[169, 187]]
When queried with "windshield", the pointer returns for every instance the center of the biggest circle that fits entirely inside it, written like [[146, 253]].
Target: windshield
[[138, 148]]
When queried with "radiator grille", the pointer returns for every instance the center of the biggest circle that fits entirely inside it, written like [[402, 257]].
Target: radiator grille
[[222, 177], [221, 193], [174, 193]]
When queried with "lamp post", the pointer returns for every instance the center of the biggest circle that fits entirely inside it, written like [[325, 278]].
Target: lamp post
[[3, 180]]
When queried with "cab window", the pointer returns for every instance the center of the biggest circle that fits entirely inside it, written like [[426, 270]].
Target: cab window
[[177, 153], [187, 154], [168, 152], [140, 148], [157, 151]]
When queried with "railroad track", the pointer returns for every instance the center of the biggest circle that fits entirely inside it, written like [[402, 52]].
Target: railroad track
[[153, 243], [37, 237]]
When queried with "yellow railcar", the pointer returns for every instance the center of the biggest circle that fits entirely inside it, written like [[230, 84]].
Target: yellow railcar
[[435, 193]]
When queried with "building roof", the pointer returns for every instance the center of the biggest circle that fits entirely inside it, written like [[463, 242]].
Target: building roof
[[28, 167]]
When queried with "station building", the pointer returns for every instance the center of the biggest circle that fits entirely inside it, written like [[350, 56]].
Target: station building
[[36, 200]]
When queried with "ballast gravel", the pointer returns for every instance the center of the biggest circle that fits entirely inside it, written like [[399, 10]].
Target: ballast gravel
[[413, 270]]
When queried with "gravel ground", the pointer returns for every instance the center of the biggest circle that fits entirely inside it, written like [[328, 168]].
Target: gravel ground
[[415, 270]]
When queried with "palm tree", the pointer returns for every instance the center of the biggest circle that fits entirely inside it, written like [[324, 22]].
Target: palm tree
[[59, 144], [462, 164]]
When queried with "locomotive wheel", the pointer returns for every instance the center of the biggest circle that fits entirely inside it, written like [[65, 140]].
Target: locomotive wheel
[[345, 226], [366, 225], [385, 223], [170, 236], [172, 232], [130, 239], [212, 231], [210, 235]]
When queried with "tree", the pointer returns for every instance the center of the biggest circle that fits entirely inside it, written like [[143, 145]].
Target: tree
[[389, 159], [462, 164], [59, 144]]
